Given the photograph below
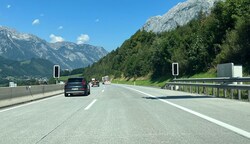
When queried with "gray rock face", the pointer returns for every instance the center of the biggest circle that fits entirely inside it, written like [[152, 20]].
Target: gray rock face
[[179, 15], [19, 46]]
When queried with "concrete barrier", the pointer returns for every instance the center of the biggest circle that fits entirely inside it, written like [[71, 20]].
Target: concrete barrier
[[15, 95]]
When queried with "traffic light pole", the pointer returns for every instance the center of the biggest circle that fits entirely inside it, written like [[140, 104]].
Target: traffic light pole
[[56, 80]]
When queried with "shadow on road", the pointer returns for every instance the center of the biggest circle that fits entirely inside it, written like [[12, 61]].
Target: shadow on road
[[177, 97]]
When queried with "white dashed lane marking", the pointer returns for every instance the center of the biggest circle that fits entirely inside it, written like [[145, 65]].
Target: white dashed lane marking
[[90, 105]]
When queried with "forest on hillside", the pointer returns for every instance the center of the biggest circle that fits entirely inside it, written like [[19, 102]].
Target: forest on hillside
[[199, 46]]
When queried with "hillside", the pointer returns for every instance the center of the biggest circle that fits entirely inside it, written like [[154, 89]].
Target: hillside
[[32, 68], [204, 42]]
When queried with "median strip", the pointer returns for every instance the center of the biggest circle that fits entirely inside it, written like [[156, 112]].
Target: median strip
[[90, 105], [220, 123], [29, 103]]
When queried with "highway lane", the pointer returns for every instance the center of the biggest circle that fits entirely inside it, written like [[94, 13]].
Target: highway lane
[[125, 114]]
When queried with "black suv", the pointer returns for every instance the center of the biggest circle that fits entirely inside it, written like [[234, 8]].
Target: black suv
[[76, 86]]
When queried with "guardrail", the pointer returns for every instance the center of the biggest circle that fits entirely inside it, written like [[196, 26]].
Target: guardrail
[[214, 86], [15, 95]]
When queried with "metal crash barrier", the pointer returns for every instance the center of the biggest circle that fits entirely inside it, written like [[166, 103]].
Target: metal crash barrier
[[238, 88]]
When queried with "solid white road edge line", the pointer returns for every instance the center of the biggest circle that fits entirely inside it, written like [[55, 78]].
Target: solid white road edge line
[[220, 123], [29, 103], [89, 106]]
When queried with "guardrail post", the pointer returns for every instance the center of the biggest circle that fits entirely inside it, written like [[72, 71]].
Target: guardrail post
[[197, 89], [225, 92], [213, 91], [207, 91], [190, 89], [184, 87], [218, 92], [239, 94], [203, 88], [232, 93]]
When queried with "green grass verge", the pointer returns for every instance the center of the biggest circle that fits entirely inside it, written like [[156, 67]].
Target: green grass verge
[[210, 74], [160, 82], [132, 82]]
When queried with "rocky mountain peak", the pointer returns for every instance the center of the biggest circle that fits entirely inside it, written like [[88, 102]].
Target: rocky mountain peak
[[20, 46], [179, 15], [13, 34]]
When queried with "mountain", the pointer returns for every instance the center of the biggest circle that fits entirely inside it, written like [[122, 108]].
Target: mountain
[[20, 46], [77, 55], [198, 47], [34, 67], [179, 15]]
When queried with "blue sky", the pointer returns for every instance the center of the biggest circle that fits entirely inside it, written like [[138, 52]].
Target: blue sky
[[106, 23]]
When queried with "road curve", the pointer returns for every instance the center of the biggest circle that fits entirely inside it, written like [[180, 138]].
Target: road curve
[[127, 115]]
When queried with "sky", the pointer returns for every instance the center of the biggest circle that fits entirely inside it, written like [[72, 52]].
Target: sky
[[106, 23]]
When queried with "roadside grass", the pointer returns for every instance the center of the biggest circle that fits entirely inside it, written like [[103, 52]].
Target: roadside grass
[[160, 82], [138, 82], [210, 74], [142, 81]]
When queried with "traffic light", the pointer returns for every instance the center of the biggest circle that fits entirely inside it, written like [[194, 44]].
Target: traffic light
[[56, 71]]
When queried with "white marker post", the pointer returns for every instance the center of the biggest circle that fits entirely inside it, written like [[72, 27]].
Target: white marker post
[[56, 72], [175, 72], [175, 69]]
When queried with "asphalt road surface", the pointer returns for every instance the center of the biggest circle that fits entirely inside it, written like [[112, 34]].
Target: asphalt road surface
[[122, 114]]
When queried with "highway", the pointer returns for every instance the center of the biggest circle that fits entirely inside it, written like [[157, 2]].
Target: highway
[[122, 114]]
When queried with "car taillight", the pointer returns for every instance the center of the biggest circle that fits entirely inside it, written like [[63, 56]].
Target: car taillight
[[83, 82]]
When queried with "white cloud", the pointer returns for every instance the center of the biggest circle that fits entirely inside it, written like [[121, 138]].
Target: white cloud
[[36, 22], [54, 38], [97, 20], [60, 27], [8, 6], [83, 38]]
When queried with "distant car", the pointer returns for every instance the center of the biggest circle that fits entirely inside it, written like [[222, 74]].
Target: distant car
[[105, 80], [95, 82], [76, 86]]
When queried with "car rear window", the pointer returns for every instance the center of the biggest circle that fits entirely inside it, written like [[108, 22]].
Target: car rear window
[[75, 80]]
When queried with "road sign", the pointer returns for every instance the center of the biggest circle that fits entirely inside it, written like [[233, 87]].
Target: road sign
[[56, 71], [175, 69]]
